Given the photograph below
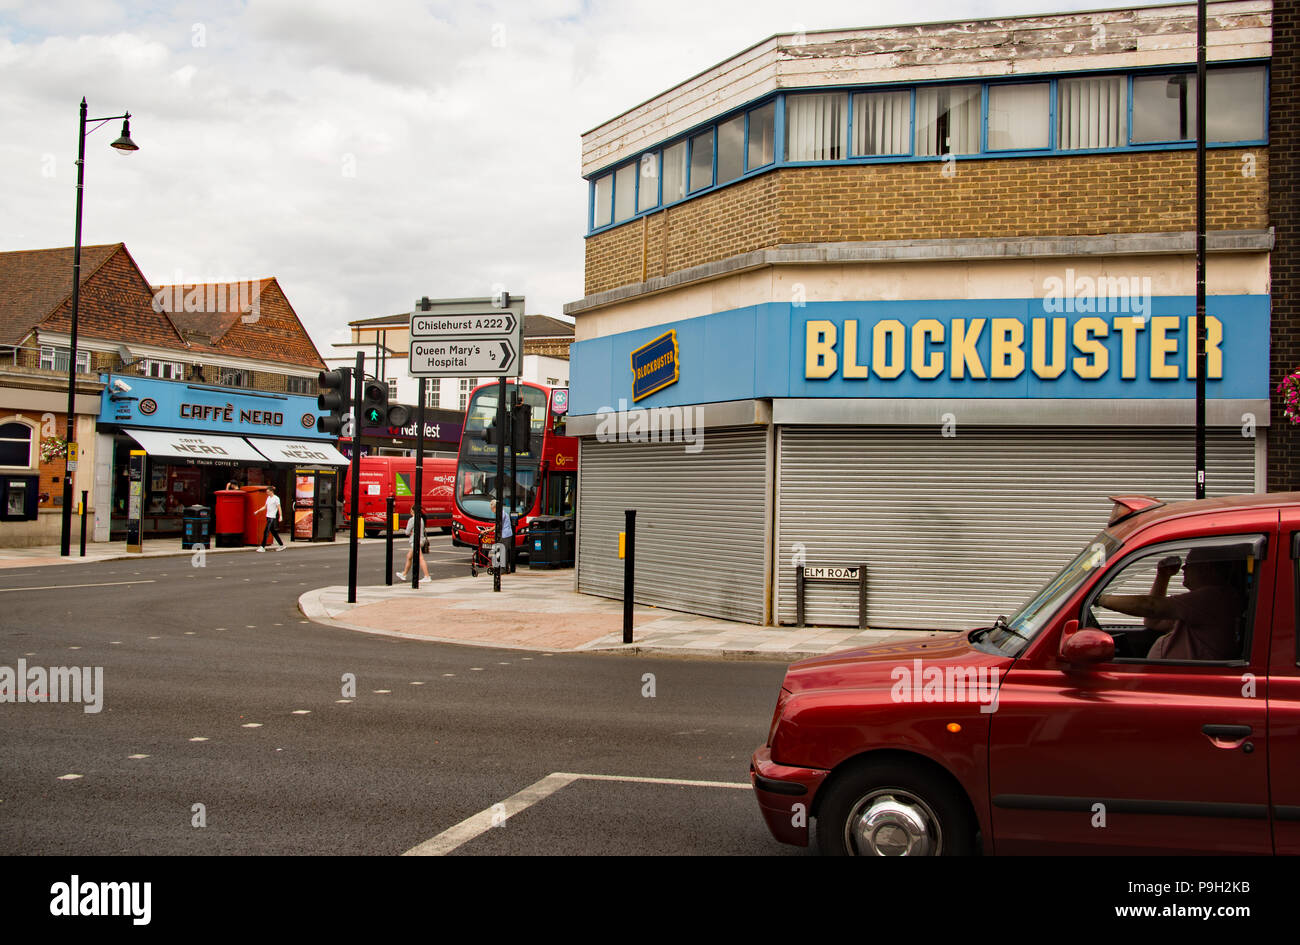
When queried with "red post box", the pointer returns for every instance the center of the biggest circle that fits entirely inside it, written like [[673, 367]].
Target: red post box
[[228, 517]]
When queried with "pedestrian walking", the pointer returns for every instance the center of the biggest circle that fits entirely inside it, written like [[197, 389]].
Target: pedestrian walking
[[416, 533], [272, 520]]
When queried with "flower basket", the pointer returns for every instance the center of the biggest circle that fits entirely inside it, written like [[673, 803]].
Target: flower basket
[[53, 448]]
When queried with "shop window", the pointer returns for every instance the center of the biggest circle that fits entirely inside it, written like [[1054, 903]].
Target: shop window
[[647, 195], [702, 161], [762, 136], [16, 441], [882, 123], [625, 192], [1019, 117], [731, 149], [674, 172], [601, 213], [947, 120], [816, 127], [56, 359], [1092, 113]]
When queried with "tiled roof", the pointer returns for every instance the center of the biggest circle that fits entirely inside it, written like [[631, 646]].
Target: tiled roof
[[543, 326], [33, 282], [251, 319]]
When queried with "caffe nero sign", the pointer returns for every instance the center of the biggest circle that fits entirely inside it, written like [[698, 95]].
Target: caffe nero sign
[[148, 402]]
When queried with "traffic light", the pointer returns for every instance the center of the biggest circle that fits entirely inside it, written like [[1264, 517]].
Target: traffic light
[[376, 411], [335, 398], [374, 404], [490, 436], [521, 427]]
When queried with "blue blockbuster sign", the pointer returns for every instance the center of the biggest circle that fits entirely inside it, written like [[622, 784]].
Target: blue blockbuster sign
[[175, 405], [654, 365], [948, 348]]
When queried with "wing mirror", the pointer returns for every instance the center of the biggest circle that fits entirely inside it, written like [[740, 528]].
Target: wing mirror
[[1089, 645]]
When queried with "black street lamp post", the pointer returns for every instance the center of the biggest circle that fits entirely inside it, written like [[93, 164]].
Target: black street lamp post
[[123, 143]]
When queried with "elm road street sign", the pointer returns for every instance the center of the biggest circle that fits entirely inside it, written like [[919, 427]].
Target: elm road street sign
[[466, 337]]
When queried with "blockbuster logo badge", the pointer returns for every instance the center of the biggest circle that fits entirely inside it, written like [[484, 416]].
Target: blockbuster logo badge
[[654, 366]]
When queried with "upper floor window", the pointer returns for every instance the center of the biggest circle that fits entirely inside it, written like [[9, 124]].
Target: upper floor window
[[674, 172], [16, 441], [166, 370], [647, 192], [947, 120], [762, 136], [464, 392], [233, 377], [56, 359], [882, 123], [433, 395], [392, 388], [731, 149], [299, 385], [625, 192], [603, 207], [1020, 116], [1164, 107], [702, 160], [816, 127], [1092, 112]]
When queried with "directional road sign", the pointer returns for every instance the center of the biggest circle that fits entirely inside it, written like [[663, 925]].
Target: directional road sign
[[466, 338], [495, 357]]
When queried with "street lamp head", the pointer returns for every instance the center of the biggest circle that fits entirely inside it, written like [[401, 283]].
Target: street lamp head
[[125, 143]]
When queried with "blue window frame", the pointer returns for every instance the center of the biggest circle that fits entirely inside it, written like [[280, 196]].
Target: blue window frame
[[1086, 113]]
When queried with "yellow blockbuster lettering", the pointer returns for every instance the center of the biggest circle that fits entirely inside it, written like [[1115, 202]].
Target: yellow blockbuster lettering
[[1042, 368], [852, 369], [1213, 356], [888, 358], [1162, 347], [925, 331], [1008, 356], [1095, 359], [820, 345], [963, 349], [1128, 327]]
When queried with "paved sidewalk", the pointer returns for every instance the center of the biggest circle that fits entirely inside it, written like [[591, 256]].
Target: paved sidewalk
[[38, 555], [539, 610]]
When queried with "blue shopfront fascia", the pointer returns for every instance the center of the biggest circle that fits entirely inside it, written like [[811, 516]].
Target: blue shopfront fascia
[[174, 405], [1061, 348]]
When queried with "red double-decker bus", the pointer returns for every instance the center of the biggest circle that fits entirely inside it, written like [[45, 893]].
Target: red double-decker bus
[[546, 477]]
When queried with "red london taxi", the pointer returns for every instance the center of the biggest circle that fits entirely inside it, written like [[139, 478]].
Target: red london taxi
[[1145, 701]]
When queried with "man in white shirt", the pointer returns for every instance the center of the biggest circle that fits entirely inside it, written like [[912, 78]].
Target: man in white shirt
[[272, 519]]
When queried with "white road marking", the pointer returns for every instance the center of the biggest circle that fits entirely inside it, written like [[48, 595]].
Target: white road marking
[[137, 757], [189, 633], [63, 587], [382, 692], [417, 682], [70, 777], [302, 711], [480, 823], [342, 701], [251, 725], [199, 738], [74, 647], [485, 820]]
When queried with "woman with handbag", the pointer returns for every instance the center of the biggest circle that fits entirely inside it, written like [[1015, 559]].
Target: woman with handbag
[[416, 532]]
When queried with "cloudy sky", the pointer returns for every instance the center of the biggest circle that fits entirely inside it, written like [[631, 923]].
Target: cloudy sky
[[365, 153]]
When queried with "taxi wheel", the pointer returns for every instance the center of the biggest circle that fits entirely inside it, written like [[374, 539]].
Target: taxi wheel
[[893, 808]]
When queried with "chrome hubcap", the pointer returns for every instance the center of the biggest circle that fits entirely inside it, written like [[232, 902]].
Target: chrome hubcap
[[891, 822]]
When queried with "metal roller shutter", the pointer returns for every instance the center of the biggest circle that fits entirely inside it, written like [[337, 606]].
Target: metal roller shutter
[[955, 531], [700, 524]]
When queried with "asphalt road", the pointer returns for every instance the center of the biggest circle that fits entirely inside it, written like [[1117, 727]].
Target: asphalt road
[[216, 692]]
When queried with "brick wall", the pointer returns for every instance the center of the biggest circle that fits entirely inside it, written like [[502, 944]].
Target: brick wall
[[1055, 196], [1284, 135]]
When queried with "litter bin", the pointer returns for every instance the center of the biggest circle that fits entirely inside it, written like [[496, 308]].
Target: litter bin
[[542, 534], [196, 526], [566, 542], [228, 518]]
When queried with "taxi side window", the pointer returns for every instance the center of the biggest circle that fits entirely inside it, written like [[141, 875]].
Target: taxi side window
[[1190, 602]]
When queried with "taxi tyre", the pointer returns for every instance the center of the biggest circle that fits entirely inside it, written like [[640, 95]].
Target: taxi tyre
[[897, 795]]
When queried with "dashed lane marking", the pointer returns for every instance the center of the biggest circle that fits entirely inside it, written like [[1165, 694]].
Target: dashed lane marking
[[64, 587], [70, 777], [497, 814]]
